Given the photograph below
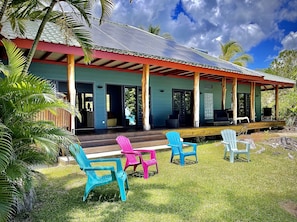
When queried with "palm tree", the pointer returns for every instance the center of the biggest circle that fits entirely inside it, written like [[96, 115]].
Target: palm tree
[[26, 140], [17, 11], [233, 52], [156, 31]]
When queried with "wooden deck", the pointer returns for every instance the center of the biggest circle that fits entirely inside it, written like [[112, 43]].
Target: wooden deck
[[103, 144], [216, 130]]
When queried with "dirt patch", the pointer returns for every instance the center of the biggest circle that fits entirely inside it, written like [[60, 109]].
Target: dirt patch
[[290, 207]]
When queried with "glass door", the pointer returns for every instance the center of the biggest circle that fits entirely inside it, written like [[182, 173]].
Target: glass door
[[182, 103], [130, 102]]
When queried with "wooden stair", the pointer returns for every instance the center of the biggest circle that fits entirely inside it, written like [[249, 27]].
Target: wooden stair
[[104, 144]]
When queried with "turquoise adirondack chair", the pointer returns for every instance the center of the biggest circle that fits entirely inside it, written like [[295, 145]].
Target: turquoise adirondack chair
[[230, 142], [95, 180], [176, 144], [135, 157]]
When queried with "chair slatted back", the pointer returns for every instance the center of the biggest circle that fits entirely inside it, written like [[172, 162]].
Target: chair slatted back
[[229, 136], [126, 146], [81, 158], [175, 141]]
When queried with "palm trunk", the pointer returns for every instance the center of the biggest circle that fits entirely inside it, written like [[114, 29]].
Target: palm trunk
[[38, 35]]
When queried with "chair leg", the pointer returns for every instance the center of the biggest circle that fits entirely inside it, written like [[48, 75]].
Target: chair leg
[[88, 189], [171, 159], [134, 167], [145, 172], [121, 184], [182, 160], [231, 157]]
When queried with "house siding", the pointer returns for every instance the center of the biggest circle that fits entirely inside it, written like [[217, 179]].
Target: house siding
[[161, 102]]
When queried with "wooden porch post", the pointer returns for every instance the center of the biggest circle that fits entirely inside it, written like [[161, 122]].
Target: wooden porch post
[[234, 100], [145, 97], [224, 92], [196, 99], [252, 101], [71, 88], [276, 103]]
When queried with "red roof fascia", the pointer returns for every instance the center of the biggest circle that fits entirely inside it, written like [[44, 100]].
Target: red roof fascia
[[49, 47]]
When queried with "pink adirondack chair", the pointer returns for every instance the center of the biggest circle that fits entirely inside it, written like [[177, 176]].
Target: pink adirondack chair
[[135, 158]]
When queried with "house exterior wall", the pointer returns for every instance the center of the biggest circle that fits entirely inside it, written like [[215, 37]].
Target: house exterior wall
[[161, 102]]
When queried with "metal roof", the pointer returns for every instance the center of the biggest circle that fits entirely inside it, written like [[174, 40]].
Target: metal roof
[[127, 40]]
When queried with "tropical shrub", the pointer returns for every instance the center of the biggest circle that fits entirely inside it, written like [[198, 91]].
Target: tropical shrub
[[24, 140]]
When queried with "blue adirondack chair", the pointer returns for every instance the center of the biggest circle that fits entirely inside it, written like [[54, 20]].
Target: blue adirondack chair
[[95, 180], [230, 142], [176, 144]]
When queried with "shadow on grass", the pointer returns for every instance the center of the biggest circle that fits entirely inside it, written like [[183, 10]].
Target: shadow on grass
[[238, 159], [140, 174], [60, 198], [187, 162]]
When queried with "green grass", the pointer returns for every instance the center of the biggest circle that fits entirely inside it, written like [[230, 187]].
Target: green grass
[[212, 190]]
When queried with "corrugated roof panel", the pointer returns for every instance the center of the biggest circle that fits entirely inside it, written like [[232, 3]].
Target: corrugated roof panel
[[131, 39], [276, 78]]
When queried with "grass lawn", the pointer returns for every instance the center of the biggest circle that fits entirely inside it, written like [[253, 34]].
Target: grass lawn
[[212, 190]]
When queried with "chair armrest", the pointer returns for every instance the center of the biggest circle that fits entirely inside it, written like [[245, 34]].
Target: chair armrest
[[131, 152], [225, 143], [194, 145], [152, 152], [247, 144], [111, 168], [178, 147], [103, 160]]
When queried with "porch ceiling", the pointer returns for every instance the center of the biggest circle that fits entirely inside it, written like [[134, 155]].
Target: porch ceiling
[[135, 67], [111, 64]]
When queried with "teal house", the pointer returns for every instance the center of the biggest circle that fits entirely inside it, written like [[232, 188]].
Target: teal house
[[138, 79]]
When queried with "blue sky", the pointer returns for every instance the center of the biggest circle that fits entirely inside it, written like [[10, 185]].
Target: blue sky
[[262, 27]]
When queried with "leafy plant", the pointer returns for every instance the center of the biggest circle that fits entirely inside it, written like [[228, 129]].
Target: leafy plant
[[25, 141]]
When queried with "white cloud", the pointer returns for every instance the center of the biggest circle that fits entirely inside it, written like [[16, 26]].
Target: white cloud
[[290, 41], [206, 22]]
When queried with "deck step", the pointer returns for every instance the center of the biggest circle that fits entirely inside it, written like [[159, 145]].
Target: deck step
[[112, 141], [98, 140], [114, 150]]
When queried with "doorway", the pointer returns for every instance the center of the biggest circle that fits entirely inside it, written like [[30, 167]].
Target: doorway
[[243, 104], [182, 103], [124, 103]]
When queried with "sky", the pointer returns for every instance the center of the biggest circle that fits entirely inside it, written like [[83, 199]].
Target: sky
[[262, 27]]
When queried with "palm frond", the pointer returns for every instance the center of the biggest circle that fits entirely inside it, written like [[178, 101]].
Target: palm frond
[[72, 25], [106, 8], [15, 56], [7, 193], [5, 147]]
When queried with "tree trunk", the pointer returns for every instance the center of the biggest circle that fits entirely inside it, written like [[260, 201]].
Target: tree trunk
[[38, 35]]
